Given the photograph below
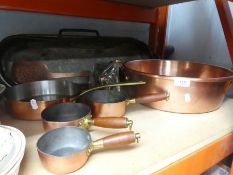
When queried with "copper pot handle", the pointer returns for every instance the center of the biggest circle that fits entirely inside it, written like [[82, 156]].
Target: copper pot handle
[[113, 122], [150, 98], [115, 140]]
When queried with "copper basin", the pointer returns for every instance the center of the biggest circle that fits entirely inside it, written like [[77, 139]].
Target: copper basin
[[192, 87]]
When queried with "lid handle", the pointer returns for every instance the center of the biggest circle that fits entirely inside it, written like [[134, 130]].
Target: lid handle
[[84, 32]]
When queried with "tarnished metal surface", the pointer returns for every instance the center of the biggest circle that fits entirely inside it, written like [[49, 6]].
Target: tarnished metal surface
[[69, 53]]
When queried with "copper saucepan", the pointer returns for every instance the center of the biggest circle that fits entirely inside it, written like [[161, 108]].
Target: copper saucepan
[[27, 101], [65, 150], [192, 87], [113, 103], [78, 114]]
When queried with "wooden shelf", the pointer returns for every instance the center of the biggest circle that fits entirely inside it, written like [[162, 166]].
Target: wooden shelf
[[156, 17], [171, 143]]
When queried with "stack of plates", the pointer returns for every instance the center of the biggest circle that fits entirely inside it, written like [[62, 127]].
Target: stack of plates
[[12, 147]]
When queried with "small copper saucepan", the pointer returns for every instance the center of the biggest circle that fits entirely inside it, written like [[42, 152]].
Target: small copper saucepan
[[113, 103], [78, 114], [65, 150]]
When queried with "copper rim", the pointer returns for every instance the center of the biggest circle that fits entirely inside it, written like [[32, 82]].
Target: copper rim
[[214, 79]]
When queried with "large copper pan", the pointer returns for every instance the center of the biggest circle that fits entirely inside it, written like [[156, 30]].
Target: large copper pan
[[27, 101], [192, 87]]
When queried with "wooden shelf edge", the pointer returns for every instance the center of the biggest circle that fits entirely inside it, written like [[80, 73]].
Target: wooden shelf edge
[[91, 9], [201, 160]]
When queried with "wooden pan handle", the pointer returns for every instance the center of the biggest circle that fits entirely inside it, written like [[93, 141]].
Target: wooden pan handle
[[152, 97], [119, 139], [114, 140], [113, 122]]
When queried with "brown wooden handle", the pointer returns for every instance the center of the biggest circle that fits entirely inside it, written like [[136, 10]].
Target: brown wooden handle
[[152, 97], [69, 74], [111, 122], [119, 139]]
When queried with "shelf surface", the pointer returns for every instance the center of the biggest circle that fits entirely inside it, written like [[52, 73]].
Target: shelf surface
[[165, 138]]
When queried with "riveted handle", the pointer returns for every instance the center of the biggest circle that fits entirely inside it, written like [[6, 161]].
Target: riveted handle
[[113, 122]]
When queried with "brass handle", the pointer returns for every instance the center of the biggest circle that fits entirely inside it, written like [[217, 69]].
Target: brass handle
[[113, 122], [108, 85]]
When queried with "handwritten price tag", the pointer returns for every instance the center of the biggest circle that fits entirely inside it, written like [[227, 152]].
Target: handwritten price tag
[[34, 104], [182, 82]]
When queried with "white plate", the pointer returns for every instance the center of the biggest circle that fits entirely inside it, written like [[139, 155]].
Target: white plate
[[12, 147]]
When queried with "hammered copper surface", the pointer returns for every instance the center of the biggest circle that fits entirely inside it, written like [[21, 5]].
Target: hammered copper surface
[[192, 87]]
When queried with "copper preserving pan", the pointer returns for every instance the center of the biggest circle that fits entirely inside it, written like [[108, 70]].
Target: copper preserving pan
[[113, 103], [192, 87], [78, 114], [27, 101], [65, 150]]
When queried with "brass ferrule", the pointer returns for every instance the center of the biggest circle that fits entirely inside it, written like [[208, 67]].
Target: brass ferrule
[[86, 121], [98, 144], [129, 124], [95, 145], [130, 101]]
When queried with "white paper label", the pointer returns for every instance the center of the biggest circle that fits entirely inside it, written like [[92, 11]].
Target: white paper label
[[182, 82], [187, 97], [34, 104]]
